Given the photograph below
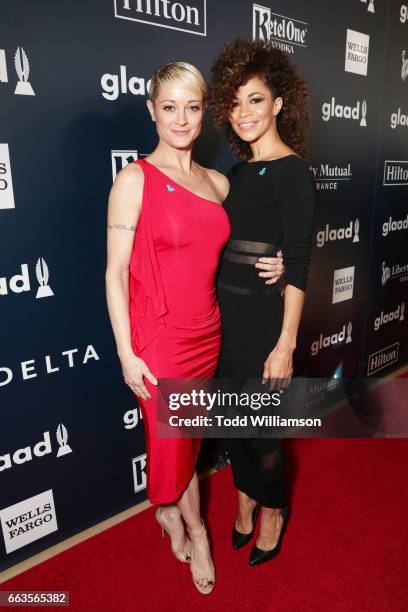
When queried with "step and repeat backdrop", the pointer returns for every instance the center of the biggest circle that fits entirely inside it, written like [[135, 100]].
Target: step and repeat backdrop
[[74, 78]]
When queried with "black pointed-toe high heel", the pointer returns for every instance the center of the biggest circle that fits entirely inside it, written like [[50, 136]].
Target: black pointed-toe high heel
[[240, 539], [258, 555]]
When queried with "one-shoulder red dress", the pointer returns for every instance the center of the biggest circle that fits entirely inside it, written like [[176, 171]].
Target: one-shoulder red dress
[[174, 314]]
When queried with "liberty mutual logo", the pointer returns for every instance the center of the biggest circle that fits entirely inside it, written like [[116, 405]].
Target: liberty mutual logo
[[22, 66]]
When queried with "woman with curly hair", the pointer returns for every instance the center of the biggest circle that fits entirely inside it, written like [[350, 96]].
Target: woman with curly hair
[[258, 97]]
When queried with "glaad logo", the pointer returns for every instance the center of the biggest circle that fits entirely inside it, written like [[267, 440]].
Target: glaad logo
[[21, 282], [3, 67], [336, 338], [394, 315], [42, 448], [121, 158], [382, 358], [342, 233], [327, 177], [370, 7], [28, 520], [404, 13], [393, 225], [22, 65], [404, 69], [132, 418], [395, 173], [282, 32], [182, 16], [399, 118], [6, 183], [139, 472], [28, 367], [357, 46], [343, 281], [112, 87], [331, 109], [396, 271]]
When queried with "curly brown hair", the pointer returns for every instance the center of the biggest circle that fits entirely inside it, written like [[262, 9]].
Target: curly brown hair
[[240, 60]]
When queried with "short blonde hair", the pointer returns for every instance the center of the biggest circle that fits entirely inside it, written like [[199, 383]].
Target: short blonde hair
[[177, 71]]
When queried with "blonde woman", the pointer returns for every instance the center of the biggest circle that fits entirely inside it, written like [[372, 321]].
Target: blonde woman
[[166, 231]]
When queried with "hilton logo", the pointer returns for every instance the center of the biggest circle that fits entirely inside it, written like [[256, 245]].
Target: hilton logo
[[357, 46], [186, 17], [139, 472], [332, 110], [6, 184], [370, 7], [382, 358], [282, 32], [395, 173]]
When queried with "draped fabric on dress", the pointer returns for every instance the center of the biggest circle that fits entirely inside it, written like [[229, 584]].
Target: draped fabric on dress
[[174, 314]]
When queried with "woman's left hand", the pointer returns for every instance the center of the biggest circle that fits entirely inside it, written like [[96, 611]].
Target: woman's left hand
[[272, 268], [278, 368]]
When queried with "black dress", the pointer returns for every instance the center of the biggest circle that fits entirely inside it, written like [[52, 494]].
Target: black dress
[[271, 205]]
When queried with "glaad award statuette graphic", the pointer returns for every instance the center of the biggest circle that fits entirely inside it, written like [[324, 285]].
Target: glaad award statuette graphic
[[370, 7], [62, 439], [22, 65], [41, 271], [356, 228], [363, 121], [404, 69]]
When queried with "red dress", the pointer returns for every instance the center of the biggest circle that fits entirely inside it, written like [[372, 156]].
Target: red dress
[[174, 314]]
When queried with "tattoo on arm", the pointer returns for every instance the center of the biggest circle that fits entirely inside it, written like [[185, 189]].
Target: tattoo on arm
[[122, 226]]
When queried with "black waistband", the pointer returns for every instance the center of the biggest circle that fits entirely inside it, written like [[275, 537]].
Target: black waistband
[[248, 251]]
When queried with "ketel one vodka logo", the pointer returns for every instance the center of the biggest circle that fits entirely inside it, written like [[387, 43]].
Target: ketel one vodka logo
[[370, 5], [404, 69], [332, 110], [341, 337], [40, 449], [330, 234], [23, 71], [21, 282], [282, 32], [387, 317]]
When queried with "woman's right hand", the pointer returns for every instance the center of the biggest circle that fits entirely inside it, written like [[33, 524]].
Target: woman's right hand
[[134, 369]]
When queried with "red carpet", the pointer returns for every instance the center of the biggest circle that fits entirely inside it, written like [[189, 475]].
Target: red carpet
[[345, 548]]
